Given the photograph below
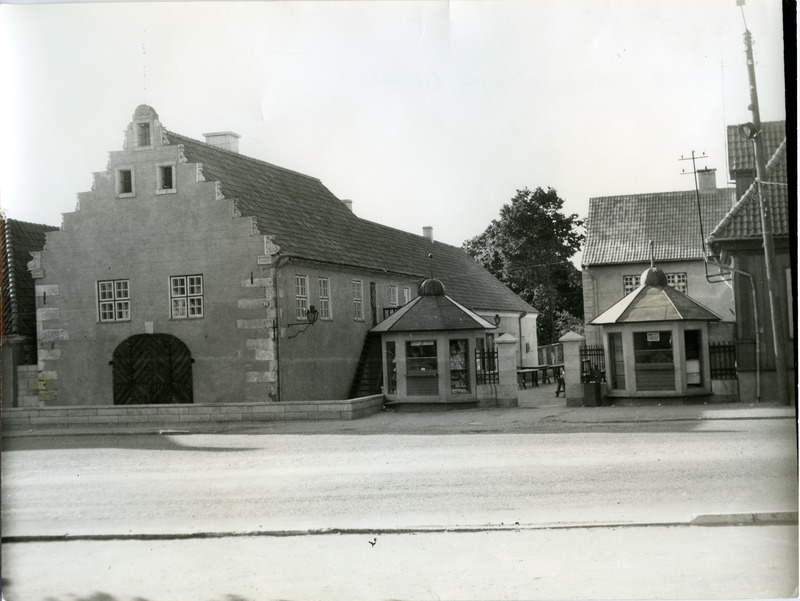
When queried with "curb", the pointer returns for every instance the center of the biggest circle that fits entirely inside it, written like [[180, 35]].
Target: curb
[[732, 519], [738, 519]]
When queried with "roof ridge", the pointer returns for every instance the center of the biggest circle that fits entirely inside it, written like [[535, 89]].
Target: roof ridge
[[10, 220], [693, 192], [240, 155], [389, 227]]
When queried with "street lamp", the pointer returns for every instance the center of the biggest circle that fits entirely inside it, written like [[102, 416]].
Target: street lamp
[[311, 316]]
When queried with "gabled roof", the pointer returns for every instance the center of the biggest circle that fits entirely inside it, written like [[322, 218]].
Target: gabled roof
[[744, 219], [619, 227], [310, 223], [740, 148], [429, 313], [654, 303], [19, 239]]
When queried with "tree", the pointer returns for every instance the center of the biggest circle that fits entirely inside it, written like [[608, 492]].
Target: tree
[[529, 250]]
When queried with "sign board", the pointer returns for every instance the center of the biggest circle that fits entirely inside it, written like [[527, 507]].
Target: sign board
[[653, 336]]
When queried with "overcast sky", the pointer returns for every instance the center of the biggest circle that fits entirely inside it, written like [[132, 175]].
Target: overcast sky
[[429, 113]]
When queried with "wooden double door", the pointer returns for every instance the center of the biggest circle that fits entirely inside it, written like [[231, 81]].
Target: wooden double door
[[152, 369]]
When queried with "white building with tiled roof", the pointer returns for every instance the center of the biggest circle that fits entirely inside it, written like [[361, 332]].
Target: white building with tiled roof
[[617, 250], [188, 272]]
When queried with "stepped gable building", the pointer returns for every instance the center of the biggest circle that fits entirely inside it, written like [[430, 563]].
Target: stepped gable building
[[736, 242], [616, 251], [188, 274]]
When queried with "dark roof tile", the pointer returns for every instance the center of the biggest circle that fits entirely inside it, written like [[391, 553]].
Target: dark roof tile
[[619, 228]]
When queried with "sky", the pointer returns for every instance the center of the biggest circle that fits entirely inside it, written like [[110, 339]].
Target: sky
[[421, 113]]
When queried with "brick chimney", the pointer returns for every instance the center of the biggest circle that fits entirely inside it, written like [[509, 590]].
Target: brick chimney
[[707, 180], [427, 232], [223, 139]]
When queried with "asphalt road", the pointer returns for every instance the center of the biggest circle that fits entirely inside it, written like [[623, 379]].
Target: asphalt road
[[177, 484]]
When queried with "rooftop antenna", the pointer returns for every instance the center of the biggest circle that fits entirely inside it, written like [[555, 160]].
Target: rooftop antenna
[[693, 172], [144, 66]]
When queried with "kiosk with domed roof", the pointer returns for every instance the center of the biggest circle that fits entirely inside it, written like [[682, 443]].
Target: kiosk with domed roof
[[656, 342], [428, 348]]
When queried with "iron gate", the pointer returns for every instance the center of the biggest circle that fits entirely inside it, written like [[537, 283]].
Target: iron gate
[[151, 369]]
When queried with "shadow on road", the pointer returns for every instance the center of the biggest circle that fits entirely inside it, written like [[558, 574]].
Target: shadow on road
[[146, 442], [100, 596]]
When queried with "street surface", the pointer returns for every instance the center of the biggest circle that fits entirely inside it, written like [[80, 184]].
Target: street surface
[[233, 484]]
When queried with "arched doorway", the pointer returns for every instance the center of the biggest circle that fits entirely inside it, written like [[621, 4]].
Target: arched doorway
[[152, 369]]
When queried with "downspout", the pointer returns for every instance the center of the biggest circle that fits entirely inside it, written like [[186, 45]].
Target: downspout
[[755, 319], [276, 327]]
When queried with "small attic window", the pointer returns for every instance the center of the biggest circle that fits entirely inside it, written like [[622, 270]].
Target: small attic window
[[143, 134], [165, 179], [124, 182]]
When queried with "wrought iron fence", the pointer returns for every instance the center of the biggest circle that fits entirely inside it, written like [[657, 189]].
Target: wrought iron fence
[[722, 356], [486, 366], [593, 363]]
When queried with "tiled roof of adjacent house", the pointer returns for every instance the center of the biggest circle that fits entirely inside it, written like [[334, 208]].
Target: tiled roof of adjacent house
[[19, 239], [619, 228], [309, 222], [740, 149], [744, 219]]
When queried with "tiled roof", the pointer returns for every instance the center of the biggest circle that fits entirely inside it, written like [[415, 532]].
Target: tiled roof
[[655, 303], [744, 219], [19, 239], [619, 228], [432, 313], [309, 222], [740, 149]]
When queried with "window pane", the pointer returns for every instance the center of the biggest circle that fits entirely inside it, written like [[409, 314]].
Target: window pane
[[106, 311], [106, 290], [196, 306], [123, 310], [125, 181], [178, 308], [459, 367], [301, 307], [143, 134], [179, 286], [195, 285], [121, 289], [165, 177]]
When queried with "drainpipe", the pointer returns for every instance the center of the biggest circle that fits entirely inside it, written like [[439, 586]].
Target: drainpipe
[[755, 319], [276, 326]]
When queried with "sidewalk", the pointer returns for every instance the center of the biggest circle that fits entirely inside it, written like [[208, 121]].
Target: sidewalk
[[540, 410]]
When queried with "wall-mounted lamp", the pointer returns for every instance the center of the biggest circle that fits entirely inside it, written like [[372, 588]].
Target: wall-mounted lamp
[[311, 315], [497, 319]]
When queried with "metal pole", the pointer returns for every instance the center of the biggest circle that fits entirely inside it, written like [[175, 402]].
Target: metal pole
[[776, 314]]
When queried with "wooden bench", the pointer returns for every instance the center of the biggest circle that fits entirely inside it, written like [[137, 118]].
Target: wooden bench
[[524, 372]]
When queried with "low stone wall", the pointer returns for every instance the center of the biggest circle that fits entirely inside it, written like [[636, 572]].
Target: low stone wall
[[28, 386], [184, 416]]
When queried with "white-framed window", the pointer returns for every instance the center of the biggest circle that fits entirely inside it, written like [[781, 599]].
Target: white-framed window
[[630, 283], [143, 137], [393, 296], [165, 179], [186, 296], [324, 288], [124, 182], [678, 281], [358, 300], [301, 297], [406, 294], [113, 300]]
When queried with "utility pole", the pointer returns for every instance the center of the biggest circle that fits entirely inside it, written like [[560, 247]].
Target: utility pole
[[693, 172], [755, 133]]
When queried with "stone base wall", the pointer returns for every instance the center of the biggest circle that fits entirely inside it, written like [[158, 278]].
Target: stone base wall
[[184, 416], [28, 387]]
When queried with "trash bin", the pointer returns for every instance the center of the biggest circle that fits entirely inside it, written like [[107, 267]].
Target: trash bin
[[592, 394]]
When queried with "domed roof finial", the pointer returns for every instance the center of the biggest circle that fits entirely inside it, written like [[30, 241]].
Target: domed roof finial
[[653, 276]]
